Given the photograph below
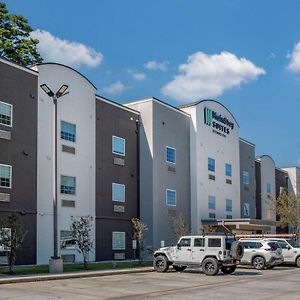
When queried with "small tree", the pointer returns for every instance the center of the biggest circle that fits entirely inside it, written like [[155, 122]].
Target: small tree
[[15, 41], [11, 238], [206, 229], [180, 226], [287, 208], [138, 232], [81, 228]]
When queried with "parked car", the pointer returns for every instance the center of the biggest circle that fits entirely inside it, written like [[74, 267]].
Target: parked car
[[290, 250], [212, 252], [261, 254]]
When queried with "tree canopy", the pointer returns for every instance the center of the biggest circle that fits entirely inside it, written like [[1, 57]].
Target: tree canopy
[[15, 41]]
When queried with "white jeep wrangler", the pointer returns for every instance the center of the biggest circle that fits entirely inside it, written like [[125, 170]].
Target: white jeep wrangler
[[211, 252]]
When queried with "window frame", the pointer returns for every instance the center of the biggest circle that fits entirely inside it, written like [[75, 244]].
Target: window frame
[[269, 185], [208, 165], [170, 190], [167, 161], [112, 145], [10, 177], [112, 192], [11, 117], [208, 202], [75, 185], [75, 139], [70, 247], [112, 240], [228, 207], [230, 166]]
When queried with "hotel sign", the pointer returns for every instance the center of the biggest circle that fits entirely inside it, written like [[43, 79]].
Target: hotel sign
[[220, 125]]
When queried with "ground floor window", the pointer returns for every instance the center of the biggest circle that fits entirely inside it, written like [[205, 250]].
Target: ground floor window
[[118, 240], [66, 240]]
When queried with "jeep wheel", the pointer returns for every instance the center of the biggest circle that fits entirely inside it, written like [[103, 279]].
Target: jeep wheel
[[259, 263], [179, 268], [161, 264], [210, 266], [236, 250], [228, 270], [298, 261]]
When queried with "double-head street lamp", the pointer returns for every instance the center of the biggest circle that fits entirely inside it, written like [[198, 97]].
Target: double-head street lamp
[[61, 92]]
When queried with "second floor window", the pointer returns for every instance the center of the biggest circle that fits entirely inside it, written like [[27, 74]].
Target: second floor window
[[211, 164], [245, 177], [228, 171], [171, 155], [211, 202], [67, 185], [171, 197], [68, 131], [118, 192], [118, 145], [5, 176], [228, 205], [5, 114]]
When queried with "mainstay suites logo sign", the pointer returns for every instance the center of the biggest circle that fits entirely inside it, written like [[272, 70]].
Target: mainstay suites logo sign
[[220, 125]]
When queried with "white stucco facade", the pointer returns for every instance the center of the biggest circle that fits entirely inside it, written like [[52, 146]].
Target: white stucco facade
[[294, 180], [78, 108], [214, 136]]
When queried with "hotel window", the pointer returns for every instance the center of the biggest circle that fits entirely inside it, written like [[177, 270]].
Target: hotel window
[[212, 215], [228, 205], [211, 164], [66, 240], [246, 209], [245, 177], [68, 131], [118, 192], [171, 197], [67, 185], [211, 202], [269, 188], [5, 176], [228, 171], [171, 155], [118, 240], [6, 114], [118, 145]]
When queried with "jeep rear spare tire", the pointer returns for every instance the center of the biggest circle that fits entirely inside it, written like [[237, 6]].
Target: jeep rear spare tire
[[237, 250], [210, 266], [161, 264]]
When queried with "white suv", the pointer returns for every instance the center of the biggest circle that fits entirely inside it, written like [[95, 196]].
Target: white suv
[[261, 254], [211, 252], [290, 250]]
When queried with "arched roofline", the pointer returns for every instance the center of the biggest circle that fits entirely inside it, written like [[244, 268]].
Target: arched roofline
[[266, 155]]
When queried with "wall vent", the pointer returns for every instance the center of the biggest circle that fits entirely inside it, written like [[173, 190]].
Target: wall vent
[[119, 161], [119, 208], [119, 256], [68, 258], [228, 181], [211, 177], [5, 135], [172, 169], [4, 197], [68, 149], [67, 203]]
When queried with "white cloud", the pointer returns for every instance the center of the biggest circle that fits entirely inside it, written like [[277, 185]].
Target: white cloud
[[137, 75], [210, 75], [294, 64], [54, 49], [115, 88], [155, 65]]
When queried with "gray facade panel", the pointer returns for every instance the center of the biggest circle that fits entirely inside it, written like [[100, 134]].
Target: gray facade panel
[[112, 120], [19, 88], [258, 189], [247, 163]]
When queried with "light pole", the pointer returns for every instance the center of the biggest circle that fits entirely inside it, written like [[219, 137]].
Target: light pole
[[55, 263]]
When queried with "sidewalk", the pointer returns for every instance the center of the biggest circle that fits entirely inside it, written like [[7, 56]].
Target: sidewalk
[[70, 275]]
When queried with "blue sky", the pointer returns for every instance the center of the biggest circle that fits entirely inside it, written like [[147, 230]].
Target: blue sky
[[241, 53]]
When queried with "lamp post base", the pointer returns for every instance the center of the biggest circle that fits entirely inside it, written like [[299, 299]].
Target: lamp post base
[[56, 265]]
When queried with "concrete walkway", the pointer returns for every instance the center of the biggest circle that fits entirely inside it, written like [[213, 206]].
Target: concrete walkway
[[70, 275]]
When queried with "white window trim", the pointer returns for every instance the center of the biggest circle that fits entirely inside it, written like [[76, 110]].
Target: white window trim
[[169, 190], [121, 248], [68, 141], [75, 184], [214, 165], [12, 113], [10, 175], [112, 190], [230, 170], [112, 145], [170, 162], [226, 205]]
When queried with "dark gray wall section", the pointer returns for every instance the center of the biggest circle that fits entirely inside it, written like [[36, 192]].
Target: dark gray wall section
[[258, 189], [112, 120], [281, 179], [247, 163], [19, 88]]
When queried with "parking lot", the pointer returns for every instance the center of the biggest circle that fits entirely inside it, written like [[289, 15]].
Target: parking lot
[[245, 283]]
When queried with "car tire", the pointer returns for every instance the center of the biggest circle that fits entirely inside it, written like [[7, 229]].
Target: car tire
[[259, 263], [228, 270], [161, 264], [237, 250], [298, 262], [179, 268], [210, 266]]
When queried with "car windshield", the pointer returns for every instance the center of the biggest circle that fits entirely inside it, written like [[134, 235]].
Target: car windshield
[[294, 244]]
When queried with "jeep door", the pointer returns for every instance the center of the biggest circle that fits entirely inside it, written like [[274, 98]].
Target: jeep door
[[183, 251], [198, 250]]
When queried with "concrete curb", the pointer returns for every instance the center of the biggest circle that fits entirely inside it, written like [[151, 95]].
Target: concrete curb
[[19, 279]]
